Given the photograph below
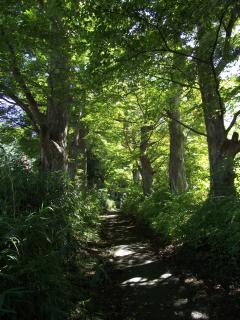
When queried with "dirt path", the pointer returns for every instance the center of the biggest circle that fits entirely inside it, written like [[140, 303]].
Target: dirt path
[[148, 283]]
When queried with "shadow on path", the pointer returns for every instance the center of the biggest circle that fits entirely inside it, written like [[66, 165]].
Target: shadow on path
[[144, 284]]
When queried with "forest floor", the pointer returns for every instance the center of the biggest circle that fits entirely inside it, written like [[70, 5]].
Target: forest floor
[[147, 281]]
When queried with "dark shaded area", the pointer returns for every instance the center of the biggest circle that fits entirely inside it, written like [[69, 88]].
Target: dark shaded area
[[149, 282], [95, 171]]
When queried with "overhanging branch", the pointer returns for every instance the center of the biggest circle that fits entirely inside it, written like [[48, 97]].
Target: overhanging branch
[[234, 119], [36, 114], [18, 102], [169, 115]]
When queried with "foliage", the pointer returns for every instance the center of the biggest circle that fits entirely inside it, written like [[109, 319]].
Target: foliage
[[89, 89], [41, 231], [193, 220]]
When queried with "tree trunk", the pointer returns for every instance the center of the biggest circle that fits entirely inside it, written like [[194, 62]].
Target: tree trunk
[[147, 175], [221, 150], [177, 171], [146, 169], [222, 176], [53, 150], [53, 132], [78, 156]]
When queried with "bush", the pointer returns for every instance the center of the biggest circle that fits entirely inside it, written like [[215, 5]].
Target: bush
[[216, 224]]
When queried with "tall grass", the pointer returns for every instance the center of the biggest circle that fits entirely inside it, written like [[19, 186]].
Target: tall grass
[[43, 222]]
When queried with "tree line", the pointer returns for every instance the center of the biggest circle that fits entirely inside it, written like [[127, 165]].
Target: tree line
[[71, 64]]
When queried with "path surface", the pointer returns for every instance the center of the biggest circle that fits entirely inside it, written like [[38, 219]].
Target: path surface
[[147, 283]]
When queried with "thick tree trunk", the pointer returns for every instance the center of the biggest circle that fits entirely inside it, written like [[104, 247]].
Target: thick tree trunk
[[53, 149], [222, 150], [222, 176], [147, 175], [51, 126], [146, 169], [177, 171], [53, 135], [53, 132]]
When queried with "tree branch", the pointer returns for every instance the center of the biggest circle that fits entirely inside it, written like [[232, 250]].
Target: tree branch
[[19, 124], [177, 82], [218, 32], [234, 119], [166, 47], [123, 120], [19, 79], [22, 105], [226, 52], [169, 115]]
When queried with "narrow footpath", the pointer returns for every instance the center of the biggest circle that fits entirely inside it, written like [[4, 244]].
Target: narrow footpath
[[147, 282]]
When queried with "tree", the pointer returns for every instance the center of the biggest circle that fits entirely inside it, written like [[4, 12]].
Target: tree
[[146, 169], [39, 70], [214, 38], [155, 32], [177, 172]]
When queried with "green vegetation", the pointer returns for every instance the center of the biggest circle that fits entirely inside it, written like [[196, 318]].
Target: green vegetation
[[43, 233], [106, 104], [194, 221]]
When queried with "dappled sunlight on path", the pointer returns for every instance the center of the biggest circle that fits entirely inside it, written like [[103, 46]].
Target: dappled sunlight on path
[[142, 284]]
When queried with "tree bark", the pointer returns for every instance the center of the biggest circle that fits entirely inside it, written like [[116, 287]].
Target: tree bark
[[146, 169], [177, 172], [221, 150], [53, 150], [52, 126], [53, 132], [78, 155], [147, 175]]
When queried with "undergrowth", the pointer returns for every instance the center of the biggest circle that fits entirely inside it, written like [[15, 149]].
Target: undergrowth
[[44, 223], [193, 220]]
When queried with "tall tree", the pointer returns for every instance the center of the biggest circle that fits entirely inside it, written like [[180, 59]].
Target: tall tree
[[154, 32], [39, 69], [53, 131], [177, 171], [215, 51], [145, 167]]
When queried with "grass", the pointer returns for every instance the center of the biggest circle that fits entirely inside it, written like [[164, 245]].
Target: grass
[[45, 222]]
